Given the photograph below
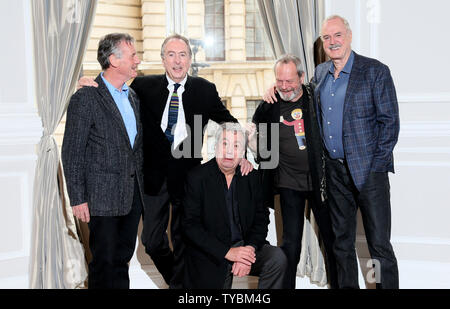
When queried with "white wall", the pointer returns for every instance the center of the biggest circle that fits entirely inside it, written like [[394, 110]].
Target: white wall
[[410, 36], [407, 35], [20, 129]]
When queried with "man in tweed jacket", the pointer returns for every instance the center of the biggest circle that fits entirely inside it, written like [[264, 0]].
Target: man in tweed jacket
[[102, 159], [359, 122]]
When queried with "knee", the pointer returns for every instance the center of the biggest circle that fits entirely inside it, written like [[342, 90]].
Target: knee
[[159, 250], [278, 260]]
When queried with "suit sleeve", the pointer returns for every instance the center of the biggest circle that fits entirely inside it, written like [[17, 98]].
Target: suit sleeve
[[192, 222], [258, 232], [387, 119], [73, 153], [218, 112], [136, 85]]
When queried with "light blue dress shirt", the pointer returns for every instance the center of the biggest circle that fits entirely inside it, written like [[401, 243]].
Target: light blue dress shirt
[[332, 98], [124, 106]]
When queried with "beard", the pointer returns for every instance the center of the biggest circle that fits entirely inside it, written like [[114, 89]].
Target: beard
[[295, 93]]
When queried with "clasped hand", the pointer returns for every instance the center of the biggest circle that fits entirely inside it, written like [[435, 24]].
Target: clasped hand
[[243, 258]]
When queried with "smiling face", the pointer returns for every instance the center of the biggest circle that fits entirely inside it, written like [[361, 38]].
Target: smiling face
[[126, 64], [288, 83], [176, 59], [229, 150], [337, 40]]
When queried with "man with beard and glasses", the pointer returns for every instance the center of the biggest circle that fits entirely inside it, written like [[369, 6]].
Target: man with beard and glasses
[[298, 177], [359, 120]]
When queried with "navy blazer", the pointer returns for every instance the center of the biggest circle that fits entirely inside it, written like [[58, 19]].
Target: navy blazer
[[371, 119], [99, 163]]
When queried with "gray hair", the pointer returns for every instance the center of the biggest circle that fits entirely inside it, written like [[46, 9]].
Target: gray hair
[[346, 23], [175, 37], [109, 44], [288, 58], [229, 127]]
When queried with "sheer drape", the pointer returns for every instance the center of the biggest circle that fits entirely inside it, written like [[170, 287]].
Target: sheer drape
[[292, 26], [176, 17], [61, 30]]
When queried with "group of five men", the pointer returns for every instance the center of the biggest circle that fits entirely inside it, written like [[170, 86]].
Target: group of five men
[[134, 151]]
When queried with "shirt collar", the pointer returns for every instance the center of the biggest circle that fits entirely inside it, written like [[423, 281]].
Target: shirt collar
[[348, 66], [111, 88], [171, 82]]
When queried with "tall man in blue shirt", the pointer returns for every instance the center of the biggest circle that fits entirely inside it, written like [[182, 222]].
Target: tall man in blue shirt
[[102, 158], [360, 126]]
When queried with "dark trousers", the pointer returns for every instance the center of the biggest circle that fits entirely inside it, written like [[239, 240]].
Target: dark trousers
[[292, 204], [169, 263], [270, 267], [374, 203], [112, 241]]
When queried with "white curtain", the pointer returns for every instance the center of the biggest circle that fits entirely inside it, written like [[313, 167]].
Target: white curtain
[[292, 26], [61, 30], [176, 17]]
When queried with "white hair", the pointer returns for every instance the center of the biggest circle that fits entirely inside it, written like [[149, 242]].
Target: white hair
[[288, 58], [346, 24], [229, 127]]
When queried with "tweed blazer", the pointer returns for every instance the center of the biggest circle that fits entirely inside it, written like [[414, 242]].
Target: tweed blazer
[[371, 118], [99, 163]]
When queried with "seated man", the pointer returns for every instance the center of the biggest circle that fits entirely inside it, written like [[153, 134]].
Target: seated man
[[225, 222]]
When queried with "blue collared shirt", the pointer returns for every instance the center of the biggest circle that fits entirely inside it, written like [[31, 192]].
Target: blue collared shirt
[[332, 98], [124, 106]]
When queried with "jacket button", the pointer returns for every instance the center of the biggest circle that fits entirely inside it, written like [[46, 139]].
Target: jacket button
[[132, 175]]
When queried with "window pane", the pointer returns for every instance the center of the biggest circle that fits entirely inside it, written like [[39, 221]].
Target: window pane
[[250, 32], [250, 20], [257, 47], [219, 22], [214, 27]]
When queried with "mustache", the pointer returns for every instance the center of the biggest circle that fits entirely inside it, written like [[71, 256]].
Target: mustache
[[286, 89], [334, 46]]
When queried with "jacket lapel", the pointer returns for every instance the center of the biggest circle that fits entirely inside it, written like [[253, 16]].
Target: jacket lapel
[[164, 94], [110, 105], [215, 188], [135, 108], [320, 82], [321, 78], [187, 97], [355, 75], [244, 202]]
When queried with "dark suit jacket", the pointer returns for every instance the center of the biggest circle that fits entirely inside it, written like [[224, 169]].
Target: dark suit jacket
[[200, 98], [99, 163], [269, 114], [206, 224], [371, 120]]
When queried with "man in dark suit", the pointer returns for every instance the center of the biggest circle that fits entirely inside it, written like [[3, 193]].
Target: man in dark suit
[[225, 221], [102, 158], [175, 107], [359, 119]]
